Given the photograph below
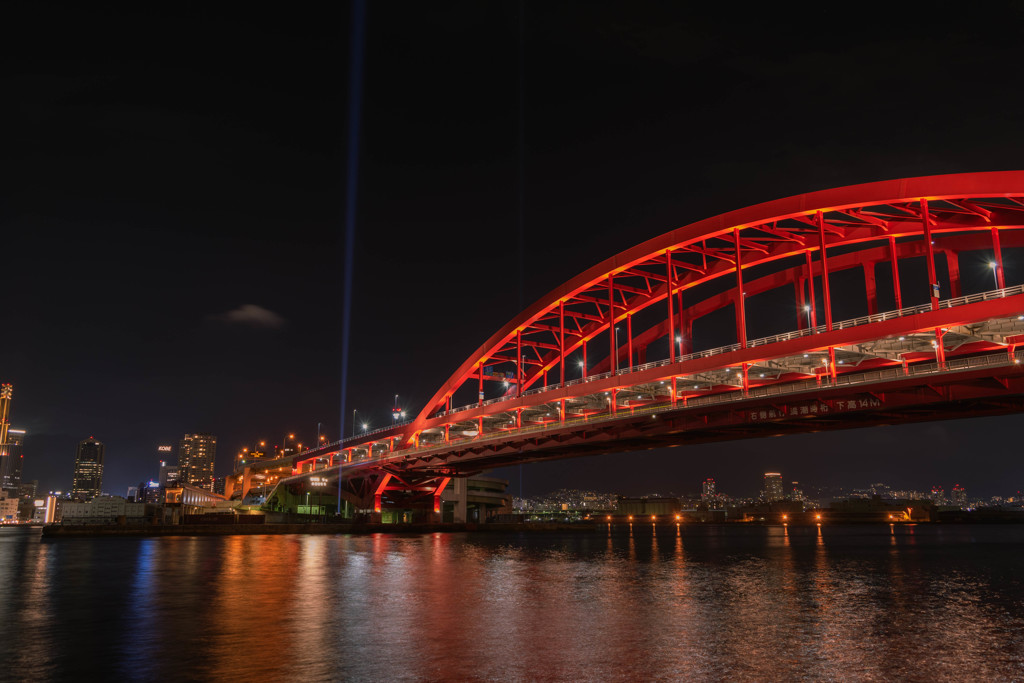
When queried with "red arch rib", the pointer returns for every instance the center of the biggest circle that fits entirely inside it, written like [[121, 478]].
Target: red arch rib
[[760, 238]]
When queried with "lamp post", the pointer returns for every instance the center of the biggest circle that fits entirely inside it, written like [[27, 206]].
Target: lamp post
[[679, 343], [353, 423], [995, 276], [807, 311], [583, 370]]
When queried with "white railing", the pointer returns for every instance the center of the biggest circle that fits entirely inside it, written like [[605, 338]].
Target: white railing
[[797, 387]]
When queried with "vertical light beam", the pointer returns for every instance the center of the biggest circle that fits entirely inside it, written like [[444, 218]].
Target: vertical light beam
[[355, 105]]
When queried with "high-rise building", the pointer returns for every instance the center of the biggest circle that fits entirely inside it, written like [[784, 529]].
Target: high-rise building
[[959, 496], [938, 495], [88, 479], [168, 476], [708, 489], [773, 489], [196, 455]]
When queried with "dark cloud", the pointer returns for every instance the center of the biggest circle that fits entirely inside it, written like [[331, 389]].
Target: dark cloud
[[251, 315]]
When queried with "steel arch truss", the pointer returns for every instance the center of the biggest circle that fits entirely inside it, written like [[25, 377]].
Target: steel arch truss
[[803, 237]]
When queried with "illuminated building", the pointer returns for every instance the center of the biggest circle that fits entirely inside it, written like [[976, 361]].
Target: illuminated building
[[196, 455], [88, 479], [959, 496], [708, 491], [938, 495], [773, 490], [8, 508], [102, 510]]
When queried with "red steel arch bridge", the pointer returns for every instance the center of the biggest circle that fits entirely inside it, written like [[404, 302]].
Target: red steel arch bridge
[[829, 310]]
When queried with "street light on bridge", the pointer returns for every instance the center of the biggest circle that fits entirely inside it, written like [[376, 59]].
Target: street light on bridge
[[995, 274]]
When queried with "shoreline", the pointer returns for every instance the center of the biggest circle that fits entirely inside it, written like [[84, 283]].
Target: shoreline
[[112, 530], [84, 531]]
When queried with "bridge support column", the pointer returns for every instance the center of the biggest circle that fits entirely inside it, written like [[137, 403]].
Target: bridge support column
[[674, 392], [801, 302], [519, 418], [670, 273], [929, 250], [246, 481], [896, 291], [825, 290], [871, 288], [561, 410], [810, 289], [615, 401], [832, 364], [441, 485], [746, 381], [461, 490], [629, 339], [940, 348], [741, 304], [999, 258]]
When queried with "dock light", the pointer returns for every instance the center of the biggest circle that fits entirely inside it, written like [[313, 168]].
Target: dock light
[[631, 518], [817, 517], [609, 518], [652, 518], [785, 517], [678, 517]]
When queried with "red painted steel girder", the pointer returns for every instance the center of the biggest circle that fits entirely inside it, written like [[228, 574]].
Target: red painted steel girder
[[545, 334]]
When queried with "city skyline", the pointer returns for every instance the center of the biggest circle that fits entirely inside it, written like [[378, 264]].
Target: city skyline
[[179, 225]]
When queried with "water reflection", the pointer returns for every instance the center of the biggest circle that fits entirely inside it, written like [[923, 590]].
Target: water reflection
[[637, 601]]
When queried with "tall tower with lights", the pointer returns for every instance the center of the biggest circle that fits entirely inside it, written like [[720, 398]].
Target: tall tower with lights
[[88, 479], [196, 455], [773, 489]]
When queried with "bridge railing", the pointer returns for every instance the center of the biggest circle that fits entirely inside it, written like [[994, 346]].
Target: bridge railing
[[787, 388], [761, 341]]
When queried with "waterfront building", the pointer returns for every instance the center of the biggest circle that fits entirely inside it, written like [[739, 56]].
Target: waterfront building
[[102, 510], [88, 478], [708, 490], [8, 508], [196, 455], [773, 489]]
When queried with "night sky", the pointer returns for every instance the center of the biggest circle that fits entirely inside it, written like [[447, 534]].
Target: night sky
[[172, 200]]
